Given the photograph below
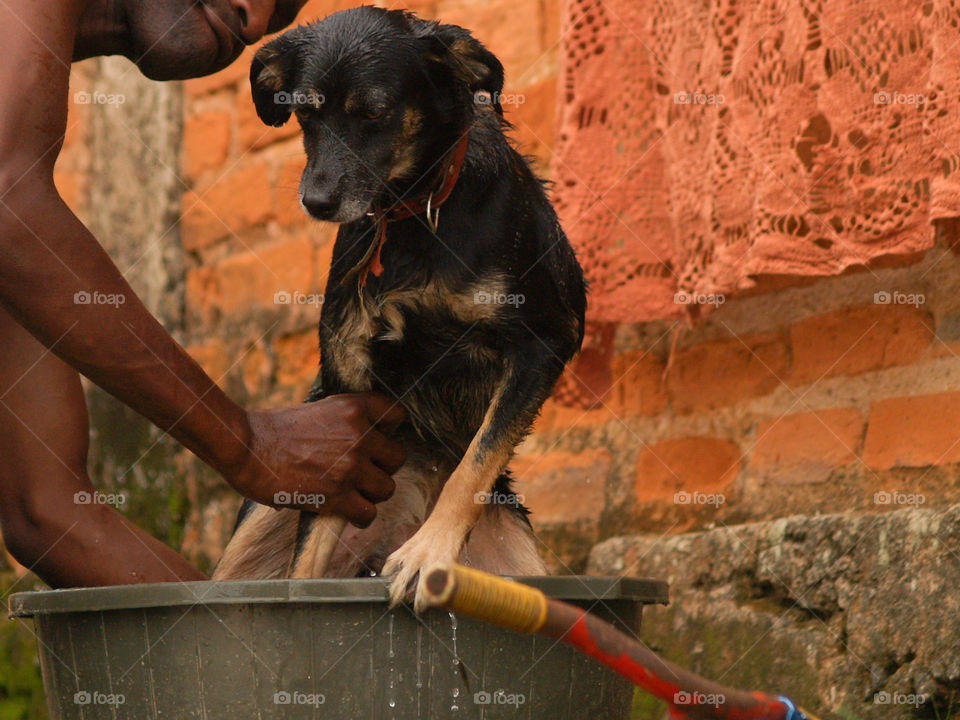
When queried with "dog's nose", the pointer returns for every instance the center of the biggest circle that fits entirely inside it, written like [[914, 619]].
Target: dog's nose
[[319, 204]]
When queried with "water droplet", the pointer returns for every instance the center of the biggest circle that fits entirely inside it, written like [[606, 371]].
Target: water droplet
[[392, 654], [458, 669]]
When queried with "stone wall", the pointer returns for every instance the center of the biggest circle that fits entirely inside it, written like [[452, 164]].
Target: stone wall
[[851, 615]]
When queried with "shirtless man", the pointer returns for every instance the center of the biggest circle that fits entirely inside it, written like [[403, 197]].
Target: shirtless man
[[339, 447]]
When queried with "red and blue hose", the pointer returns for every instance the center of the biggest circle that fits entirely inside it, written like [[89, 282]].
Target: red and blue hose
[[525, 609]]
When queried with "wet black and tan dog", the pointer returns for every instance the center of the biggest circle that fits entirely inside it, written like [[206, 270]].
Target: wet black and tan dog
[[452, 288]]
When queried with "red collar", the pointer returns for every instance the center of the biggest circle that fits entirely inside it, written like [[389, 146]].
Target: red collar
[[370, 263]]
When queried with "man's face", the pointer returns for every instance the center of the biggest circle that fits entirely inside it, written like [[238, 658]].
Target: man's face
[[176, 39]]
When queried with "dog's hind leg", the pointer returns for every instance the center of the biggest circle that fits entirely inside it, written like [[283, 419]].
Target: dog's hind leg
[[502, 542], [317, 538], [261, 544]]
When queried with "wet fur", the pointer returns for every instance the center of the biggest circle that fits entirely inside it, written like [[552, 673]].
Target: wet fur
[[472, 375]]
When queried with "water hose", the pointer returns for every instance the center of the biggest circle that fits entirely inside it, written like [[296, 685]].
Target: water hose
[[524, 609]]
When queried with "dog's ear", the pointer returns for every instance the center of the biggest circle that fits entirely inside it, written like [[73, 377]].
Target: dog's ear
[[467, 57], [270, 80]]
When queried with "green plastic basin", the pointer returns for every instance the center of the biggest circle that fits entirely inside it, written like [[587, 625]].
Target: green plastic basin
[[315, 649]]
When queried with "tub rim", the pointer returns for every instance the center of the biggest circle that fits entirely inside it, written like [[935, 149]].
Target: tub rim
[[319, 591]]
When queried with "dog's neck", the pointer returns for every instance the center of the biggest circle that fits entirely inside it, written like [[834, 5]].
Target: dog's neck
[[437, 190], [440, 189]]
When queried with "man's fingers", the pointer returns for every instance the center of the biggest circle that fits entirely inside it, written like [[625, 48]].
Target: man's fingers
[[374, 484], [385, 452], [358, 510], [383, 412]]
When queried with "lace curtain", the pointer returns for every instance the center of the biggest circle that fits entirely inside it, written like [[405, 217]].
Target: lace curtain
[[704, 145]]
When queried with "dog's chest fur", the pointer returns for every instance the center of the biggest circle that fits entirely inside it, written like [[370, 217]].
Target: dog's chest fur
[[427, 344]]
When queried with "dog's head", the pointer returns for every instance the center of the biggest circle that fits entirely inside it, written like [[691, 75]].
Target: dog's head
[[381, 97]]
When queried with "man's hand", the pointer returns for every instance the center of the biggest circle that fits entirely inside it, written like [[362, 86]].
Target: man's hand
[[330, 456]]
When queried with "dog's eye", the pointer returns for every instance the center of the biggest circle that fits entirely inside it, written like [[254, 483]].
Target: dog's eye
[[305, 115], [375, 112]]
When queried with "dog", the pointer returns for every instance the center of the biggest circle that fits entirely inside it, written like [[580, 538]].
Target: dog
[[452, 289]]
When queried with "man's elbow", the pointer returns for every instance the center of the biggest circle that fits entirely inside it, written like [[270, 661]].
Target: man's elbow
[[31, 528]]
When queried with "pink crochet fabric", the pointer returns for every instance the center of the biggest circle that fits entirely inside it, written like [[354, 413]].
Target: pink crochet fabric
[[703, 145]]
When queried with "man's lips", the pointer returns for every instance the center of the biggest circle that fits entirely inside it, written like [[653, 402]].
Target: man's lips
[[228, 38]]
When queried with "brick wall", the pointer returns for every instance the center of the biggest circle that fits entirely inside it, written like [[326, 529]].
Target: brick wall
[[813, 399], [805, 398]]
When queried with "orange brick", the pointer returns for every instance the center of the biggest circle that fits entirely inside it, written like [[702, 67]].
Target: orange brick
[[722, 372], [533, 118], [638, 387], [324, 235], [563, 487], [235, 203], [426, 9], [555, 416], [552, 16], [206, 141], [693, 464], [77, 119], [856, 340], [213, 358], [297, 358], [516, 43], [70, 185], [251, 280], [586, 381], [255, 370], [807, 446], [238, 70], [316, 9], [913, 431], [286, 198], [251, 132]]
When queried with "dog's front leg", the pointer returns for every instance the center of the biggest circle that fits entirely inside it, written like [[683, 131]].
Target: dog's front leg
[[526, 383]]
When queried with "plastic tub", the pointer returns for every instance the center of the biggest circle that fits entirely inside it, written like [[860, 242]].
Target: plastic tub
[[315, 649]]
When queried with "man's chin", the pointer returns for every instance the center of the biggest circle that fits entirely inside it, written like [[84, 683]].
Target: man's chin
[[162, 62]]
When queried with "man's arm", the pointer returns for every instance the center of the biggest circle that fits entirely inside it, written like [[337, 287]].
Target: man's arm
[[47, 256]]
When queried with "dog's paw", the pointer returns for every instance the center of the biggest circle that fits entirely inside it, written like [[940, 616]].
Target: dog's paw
[[421, 551]]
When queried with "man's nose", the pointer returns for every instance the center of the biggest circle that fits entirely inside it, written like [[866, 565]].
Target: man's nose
[[254, 18]]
